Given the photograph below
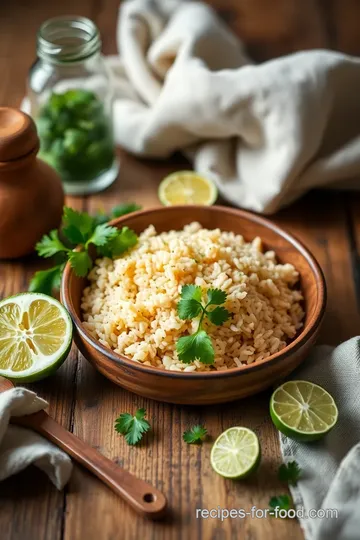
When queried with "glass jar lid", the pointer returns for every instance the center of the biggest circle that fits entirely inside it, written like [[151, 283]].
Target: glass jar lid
[[67, 39]]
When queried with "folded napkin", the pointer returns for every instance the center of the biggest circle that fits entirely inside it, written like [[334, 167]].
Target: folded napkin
[[21, 447], [331, 466], [265, 133]]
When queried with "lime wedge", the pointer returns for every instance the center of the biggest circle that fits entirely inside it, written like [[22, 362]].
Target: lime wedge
[[303, 410], [35, 336], [187, 187], [236, 453]]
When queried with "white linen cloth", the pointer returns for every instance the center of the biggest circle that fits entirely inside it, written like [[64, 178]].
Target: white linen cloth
[[331, 466], [21, 447], [265, 133]]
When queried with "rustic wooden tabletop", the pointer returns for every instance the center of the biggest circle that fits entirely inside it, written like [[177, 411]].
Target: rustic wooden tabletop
[[87, 404]]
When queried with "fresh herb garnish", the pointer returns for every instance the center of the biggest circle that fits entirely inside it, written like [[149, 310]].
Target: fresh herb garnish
[[118, 211], [199, 345], [289, 473], [78, 229], [46, 281], [281, 502], [195, 435], [123, 209], [132, 427]]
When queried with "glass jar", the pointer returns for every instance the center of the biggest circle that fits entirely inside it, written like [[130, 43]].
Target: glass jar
[[70, 96]]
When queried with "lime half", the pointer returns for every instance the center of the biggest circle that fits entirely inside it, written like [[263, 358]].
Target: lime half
[[35, 336], [236, 453], [303, 410], [187, 187]]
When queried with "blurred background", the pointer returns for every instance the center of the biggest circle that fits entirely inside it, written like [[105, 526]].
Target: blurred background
[[269, 28]]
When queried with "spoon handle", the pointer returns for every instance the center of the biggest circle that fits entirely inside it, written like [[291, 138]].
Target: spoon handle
[[143, 497]]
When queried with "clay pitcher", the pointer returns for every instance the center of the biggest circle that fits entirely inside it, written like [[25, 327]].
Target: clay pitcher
[[31, 194]]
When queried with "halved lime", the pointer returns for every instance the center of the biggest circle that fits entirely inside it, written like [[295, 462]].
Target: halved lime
[[236, 453], [303, 410], [35, 336], [187, 187]]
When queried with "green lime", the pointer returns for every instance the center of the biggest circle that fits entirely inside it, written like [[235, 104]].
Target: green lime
[[35, 336], [303, 410], [187, 187], [236, 453]]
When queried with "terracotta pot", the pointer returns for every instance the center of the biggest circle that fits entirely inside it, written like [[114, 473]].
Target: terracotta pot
[[31, 193]]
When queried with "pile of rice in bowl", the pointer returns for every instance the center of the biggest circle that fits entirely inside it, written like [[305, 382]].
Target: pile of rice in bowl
[[131, 303]]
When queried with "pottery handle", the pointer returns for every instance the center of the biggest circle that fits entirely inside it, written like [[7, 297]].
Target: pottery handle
[[143, 497]]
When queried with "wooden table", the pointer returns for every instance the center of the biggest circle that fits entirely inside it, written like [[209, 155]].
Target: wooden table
[[87, 404]]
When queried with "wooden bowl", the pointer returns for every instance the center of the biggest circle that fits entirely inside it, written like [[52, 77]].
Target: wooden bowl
[[215, 386]]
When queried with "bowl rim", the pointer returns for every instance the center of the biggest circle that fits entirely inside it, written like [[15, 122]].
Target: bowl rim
[[290, 349]]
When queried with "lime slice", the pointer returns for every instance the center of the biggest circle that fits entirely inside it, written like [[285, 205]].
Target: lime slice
[[236, 453], [35, 336], [303, 410], [187, 187]]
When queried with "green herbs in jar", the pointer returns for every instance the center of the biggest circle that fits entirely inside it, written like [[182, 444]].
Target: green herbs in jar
[[75, 135]]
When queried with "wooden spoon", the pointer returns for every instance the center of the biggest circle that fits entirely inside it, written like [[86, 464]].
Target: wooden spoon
[[143, 497]]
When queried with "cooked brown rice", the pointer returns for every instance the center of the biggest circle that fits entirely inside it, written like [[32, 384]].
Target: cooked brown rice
[[130, 305]]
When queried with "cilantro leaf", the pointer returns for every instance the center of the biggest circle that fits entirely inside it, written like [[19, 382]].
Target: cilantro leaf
[[188, 308], [125, 239], [216, 297], [100, 217], [195, 435], [123, 209], [132, 427], [189, 292], [290, 472], [196, 346], [78, 226], [45, 281], [81, 262], [50, 244], [282, 502], [102, 234], [120, 210], [199, 345], [218, 316]]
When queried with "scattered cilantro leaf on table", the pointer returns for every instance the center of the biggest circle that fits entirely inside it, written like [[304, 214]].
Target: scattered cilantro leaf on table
[[50, 245], [199, 345], [290, 472], [123, 209], [45, 281], [132, 427], [118, 211], [195, 435], [282, 502], [82, 230]]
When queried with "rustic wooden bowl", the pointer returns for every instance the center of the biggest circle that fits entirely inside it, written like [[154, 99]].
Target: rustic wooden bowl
[[211, 387]]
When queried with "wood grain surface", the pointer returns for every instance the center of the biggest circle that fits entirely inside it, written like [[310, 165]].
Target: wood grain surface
[[87, 404]]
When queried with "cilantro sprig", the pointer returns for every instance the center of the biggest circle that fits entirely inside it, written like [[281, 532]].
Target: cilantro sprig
[[290, 472], [199, 345], [82, 230], [195, 435], [132, 427], [280, 502]]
